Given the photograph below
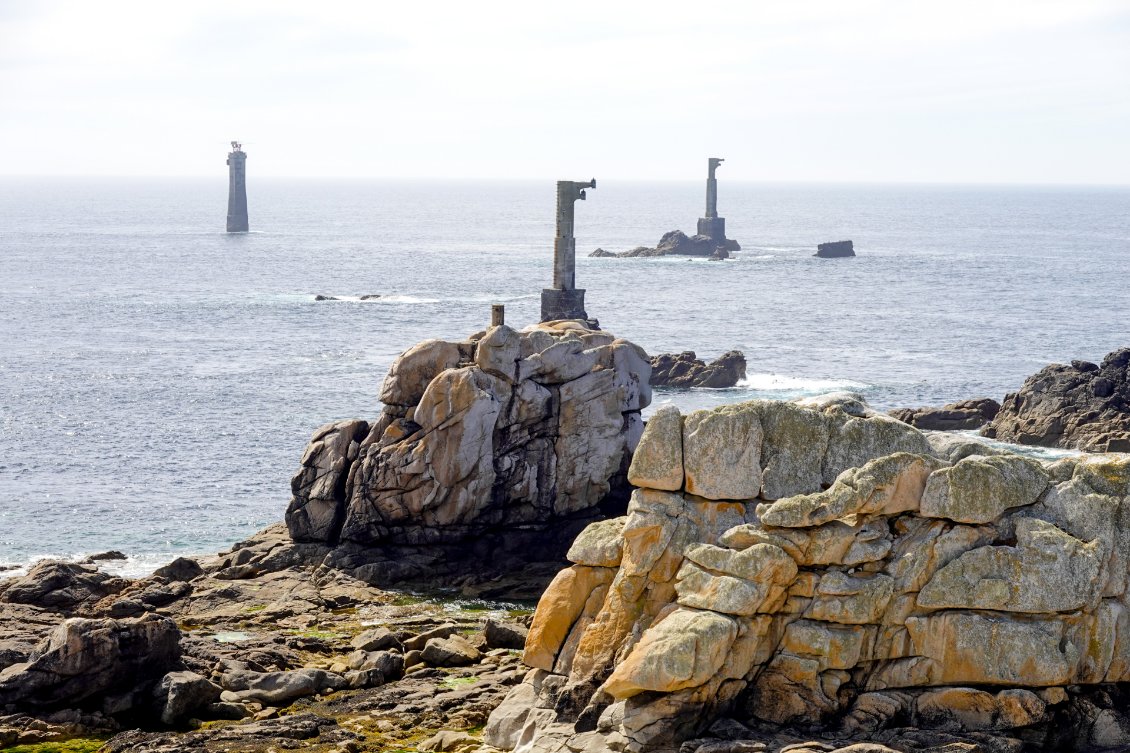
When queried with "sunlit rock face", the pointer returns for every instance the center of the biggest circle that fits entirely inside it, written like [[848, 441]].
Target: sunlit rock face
[[511, 437], [816, 565]]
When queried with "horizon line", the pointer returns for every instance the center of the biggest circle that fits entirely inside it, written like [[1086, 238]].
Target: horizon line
[[222, 176]]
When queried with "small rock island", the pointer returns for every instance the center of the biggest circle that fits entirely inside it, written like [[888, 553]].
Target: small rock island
[[710, 241], [835, 250]]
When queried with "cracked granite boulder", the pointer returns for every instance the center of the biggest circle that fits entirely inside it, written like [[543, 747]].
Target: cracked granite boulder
[[489, 452], [815, 567]]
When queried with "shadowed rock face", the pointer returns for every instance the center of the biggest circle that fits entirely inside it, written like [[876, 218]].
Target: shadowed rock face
[[686, 370], [789, 564], [501, 447], [1081, 406], [83, 662]]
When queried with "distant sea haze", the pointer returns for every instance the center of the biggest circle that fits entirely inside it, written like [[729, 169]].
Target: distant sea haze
[[160, 378]]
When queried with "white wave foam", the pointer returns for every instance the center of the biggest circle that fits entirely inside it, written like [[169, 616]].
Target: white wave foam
[[386, 299], [138, 566], [780, 383], [392, 298]]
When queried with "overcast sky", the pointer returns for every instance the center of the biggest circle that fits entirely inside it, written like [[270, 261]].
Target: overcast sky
[[827, 90]]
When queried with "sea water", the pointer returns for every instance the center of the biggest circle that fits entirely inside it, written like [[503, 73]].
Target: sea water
[[160, 378]]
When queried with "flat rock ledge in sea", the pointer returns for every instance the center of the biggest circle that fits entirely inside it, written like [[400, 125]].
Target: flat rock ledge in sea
[[835, 250], [791, 570]]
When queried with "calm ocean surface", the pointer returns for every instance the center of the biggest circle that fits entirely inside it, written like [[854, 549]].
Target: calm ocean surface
[[160, 378]]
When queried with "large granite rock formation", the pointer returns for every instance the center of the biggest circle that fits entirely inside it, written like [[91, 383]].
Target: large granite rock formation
[[678, 243], [819, 566], [685, 370], [962, 415], [490, 452], [1082, 406], [102, 664]]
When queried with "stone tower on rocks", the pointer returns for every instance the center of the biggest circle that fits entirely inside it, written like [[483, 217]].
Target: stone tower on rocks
[[237, 189], [564, 300]]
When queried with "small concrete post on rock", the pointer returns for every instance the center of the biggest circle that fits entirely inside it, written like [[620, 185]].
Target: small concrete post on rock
[[497, 315], [237, 189], [564, 300], [712, 226]]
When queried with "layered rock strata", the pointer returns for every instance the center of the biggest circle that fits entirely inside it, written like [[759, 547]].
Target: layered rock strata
[[489, 451], [960, 416], [686, 370], [817, 566], [1081, 405]]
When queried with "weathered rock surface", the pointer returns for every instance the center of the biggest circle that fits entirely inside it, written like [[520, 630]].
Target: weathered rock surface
[[1081, 406], [61, 587], [489, 452], [959, 416], [180, 694], [835, 250], [880, 593], [678, 243], [686, 370], [84, 661]]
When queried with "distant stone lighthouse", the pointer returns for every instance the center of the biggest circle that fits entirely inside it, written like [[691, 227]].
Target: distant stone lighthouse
[[237, 189]]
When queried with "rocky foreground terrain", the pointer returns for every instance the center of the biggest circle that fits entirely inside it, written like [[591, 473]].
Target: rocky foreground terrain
[[295, 657], [789, 570], [786, 576]]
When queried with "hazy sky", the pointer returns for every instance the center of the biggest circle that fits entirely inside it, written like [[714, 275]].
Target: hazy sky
[[826, 90]]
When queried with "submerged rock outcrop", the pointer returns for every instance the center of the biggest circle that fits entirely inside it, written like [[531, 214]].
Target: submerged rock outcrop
[[490, 452], [1081, 405], [793, 568], [685, 370]]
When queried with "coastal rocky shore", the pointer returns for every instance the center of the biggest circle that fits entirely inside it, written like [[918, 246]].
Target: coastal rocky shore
[[781, 576], [1077, 406], [1081, 406]]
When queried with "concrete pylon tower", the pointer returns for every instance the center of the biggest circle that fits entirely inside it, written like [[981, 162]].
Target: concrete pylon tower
[[237, 189], [564, 300], [712, 226]]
